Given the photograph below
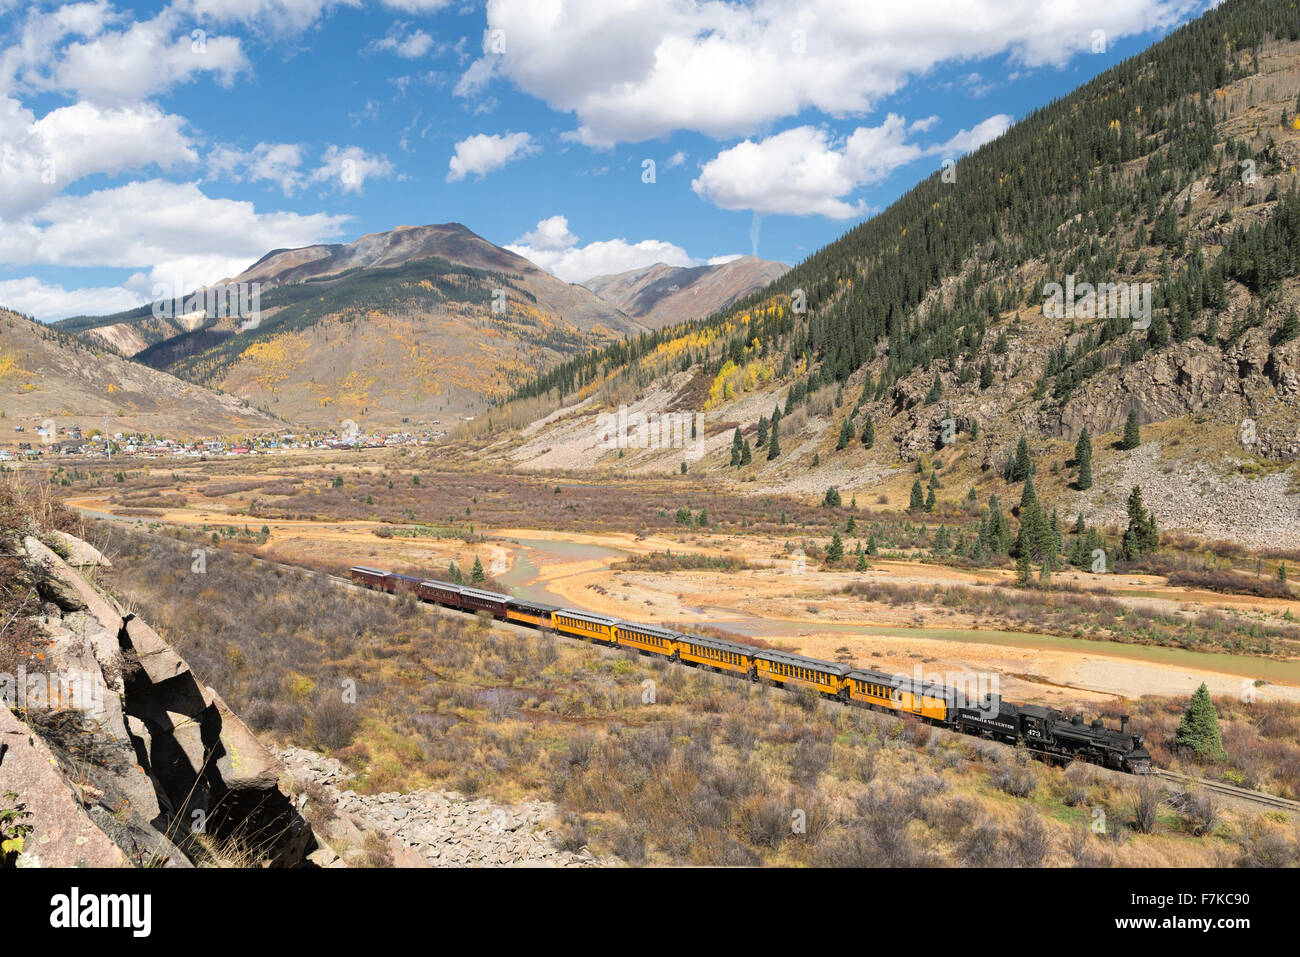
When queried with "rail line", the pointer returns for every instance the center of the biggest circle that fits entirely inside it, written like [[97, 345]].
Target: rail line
[[1228, 790]]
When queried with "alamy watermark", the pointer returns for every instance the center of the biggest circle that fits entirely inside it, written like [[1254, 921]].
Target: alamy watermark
[[233, 300], [1106, 300], [651, 430]]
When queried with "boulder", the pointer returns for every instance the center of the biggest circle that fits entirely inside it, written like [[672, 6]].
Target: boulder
[[63, 833], [80, 554]]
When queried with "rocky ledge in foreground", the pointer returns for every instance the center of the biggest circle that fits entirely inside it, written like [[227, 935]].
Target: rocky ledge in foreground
[[443, 828]]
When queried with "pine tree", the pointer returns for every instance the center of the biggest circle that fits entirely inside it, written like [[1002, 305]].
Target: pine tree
[[736, 444], [454, 574], [872, 547], [1132, 432], [869, 433], [1083, 455], [476, 574], [1024, 465], [773, 447], [761, 438], [835, 550], [929, 500], [986, 375], [746, 453], [936, 391], [852, 526], [1024, 570], [846, 435], [832, 498], [862, 565], [1199, 728], [1142, 537], [917, 501]]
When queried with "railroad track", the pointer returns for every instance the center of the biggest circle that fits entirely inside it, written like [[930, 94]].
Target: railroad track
[[1229, 790]]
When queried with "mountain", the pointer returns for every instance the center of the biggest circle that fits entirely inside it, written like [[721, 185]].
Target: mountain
[[46, 374], [418, 324], [1172, 176], [661, 295]]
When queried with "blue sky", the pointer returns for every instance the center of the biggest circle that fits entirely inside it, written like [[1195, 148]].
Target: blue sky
[[172, 144]]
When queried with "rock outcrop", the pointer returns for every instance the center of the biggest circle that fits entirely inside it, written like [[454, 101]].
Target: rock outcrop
[[113, 739]]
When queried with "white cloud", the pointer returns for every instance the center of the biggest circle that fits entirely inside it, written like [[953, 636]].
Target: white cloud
[[278, 163], [551, 235], [144, 59], [47, 302], [168, 231], [633, 70], [967, 141], [803, 172], [348, 167], [417, 6], [482, 154], [277, 17], [677, 159], [407, 43], [555, 248], [40, 157]]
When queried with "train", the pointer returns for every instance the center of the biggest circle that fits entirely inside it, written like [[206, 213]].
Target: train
[[1047, 731]]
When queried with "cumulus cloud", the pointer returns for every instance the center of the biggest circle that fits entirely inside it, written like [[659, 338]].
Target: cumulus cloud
[[48, 301], [404, 42], [804, 172], [633, 70], [166, 231], [554, 247], [123, 66], [484, 153], [348, 167], [41, 157], [277, 163]]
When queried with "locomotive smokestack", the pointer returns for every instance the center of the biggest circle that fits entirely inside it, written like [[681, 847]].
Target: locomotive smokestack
[[1123, 723]]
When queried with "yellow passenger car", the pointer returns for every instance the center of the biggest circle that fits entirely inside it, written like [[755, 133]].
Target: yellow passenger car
[[582, 624], [798, 671], [716, 653], [898, 693], [647, 638], [529, 612]]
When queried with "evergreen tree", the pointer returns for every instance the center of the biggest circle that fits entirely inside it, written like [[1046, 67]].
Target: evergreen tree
[[917, 501], [1022, 466], [476, 574], [929, 500], [831, 499], [774, 446], [1083, 455], [746, 453], [986, 375], [835, 550], [872, 547], [454, 575], [1199, 728], [869, 433], [1141, 537], [1132, 432], [1024, 570], [760, 439], [846, 435], [862, 565], [936, 391], [852, 526], [737, 443]]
